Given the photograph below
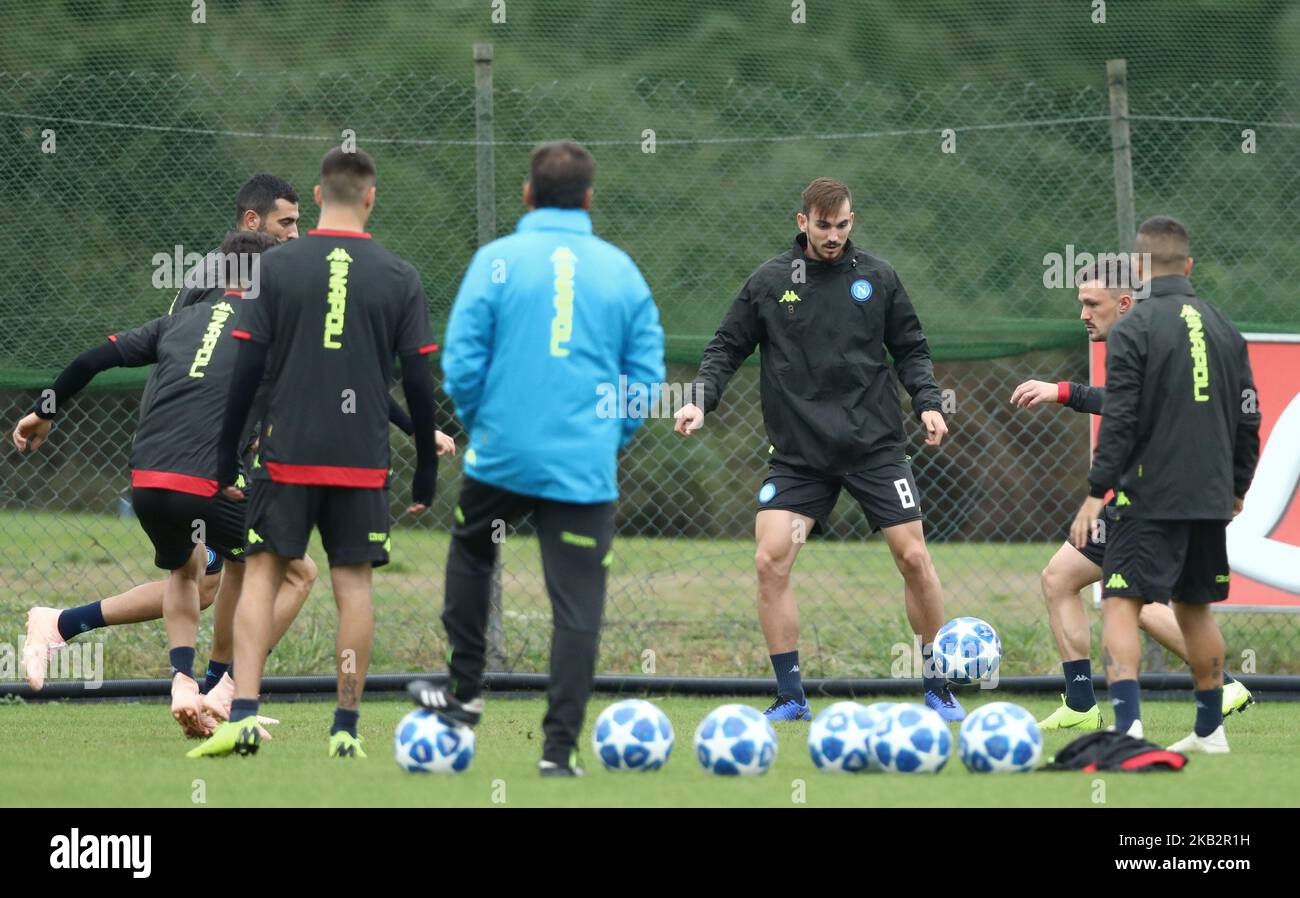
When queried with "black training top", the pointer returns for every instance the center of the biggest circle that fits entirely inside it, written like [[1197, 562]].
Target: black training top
[[335, 310], [185, 397], [1180, 433], [830, 402]]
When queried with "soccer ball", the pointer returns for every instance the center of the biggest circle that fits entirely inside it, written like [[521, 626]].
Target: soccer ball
[[632, 735], [910, 739], [837, 739], [735, 740], [1000, 738], [875, 711], [430, 743], [967, 649]]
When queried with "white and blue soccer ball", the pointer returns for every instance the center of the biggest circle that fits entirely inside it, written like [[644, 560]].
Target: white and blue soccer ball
[[426, 742], [967, 649], [875, 711], [910, 739], [837, 739], [1000, 738], [735, 740], [632, 735]]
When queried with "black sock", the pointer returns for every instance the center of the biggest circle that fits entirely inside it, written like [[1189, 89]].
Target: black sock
[[80, 620], [1078, 685], [243, 707], [1126, 702], [930, 681], [789, 684], [182, 658], [213, 676], [1227, 678], [345, 721], [1209, 710]]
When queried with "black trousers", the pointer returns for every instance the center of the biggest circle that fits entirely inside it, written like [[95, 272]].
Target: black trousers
[[575, 543]]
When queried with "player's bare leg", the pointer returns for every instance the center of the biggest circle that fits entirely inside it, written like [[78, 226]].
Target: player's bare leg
[[254, 617], [921, 588], [1065, 575], [779, 534], [181, 619], [1205, 651], [264, 574], [1123, 652], [352, 583], [1160, 622], [145, 602], [49, 628], [923, 599], [300, 576], [1068, 572]]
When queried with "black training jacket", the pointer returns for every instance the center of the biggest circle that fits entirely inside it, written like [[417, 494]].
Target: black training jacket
[[830, 402], [1180, 433]]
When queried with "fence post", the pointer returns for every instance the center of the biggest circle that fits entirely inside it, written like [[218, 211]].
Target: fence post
[[1121, 149], [485, 157], [486, 191]]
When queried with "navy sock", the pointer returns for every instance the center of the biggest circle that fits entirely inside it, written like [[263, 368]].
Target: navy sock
[[215, 671], [345, 721], [1128, 706], [1209, 710], [1227, 678], [80, 620], [182, 659], [789, 683], [930, 682], [1078, 685], [243, 707]]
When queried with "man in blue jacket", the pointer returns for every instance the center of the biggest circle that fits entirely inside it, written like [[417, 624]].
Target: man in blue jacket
[[546, 322]]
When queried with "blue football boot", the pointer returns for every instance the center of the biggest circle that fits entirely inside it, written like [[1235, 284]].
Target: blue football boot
[[786, 708], [944, 702]]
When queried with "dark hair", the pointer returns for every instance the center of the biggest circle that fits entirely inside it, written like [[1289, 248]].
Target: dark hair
[[1165, 240], [346, 176], [560, 173], [825, 195], [235, 249], [259, 194], [251, 242], [1111, 272]]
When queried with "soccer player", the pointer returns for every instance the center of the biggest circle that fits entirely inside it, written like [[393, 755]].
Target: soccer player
[[265, 204], [1179, 449], [334, 311], [174, 459], [525, 362], [1103, 297], [824, 313]]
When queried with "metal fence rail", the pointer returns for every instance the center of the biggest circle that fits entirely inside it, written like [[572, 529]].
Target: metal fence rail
[[966, 190]]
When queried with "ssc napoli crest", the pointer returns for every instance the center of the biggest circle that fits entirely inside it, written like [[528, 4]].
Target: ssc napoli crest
[[767, 492], [860, 290]]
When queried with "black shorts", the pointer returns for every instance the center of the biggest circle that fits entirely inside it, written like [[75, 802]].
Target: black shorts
[[175, 521], [1095, 551], [887, 492], [353, 522], [1186, 561]]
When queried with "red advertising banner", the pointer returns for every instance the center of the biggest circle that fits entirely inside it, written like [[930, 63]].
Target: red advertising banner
[[1264, 540]]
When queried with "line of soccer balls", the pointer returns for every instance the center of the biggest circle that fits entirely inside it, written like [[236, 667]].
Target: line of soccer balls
[[736, 740]]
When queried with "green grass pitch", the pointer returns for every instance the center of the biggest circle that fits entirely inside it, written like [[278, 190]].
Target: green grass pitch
[[118, 754]]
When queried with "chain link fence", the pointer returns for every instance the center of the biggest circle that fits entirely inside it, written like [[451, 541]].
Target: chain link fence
[[967, 190]]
